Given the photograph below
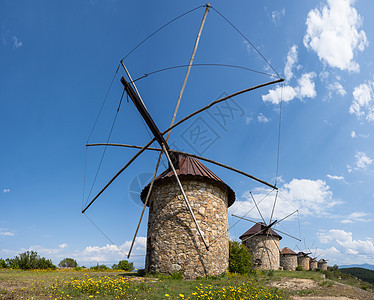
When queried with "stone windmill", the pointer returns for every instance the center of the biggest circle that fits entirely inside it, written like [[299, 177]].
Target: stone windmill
[[187, 225], [173, 243], [263, 245], [262, 239], [288, 259]]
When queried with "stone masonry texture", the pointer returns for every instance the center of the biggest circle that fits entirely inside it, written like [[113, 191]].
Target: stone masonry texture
[[265, 251], [288, 261], [173, 241]]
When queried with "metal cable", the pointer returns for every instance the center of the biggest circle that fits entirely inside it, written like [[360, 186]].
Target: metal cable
[[202, 65], [162, 27], [102, 105], [104, 151], [246, 40]]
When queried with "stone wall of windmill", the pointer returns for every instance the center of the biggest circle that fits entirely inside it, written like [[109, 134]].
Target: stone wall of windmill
[[263, 246], [173, 241], [303, 260], [313, 264], [322, 264], [288, 259]]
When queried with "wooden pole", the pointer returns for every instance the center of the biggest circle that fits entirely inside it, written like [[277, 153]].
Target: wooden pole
[[257, 208], [185, 199], [171, 124], [119, 172], [221, 100], [192, 155]]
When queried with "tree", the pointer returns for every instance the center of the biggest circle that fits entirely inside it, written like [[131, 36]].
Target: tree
[[3, 264], [68, 263], [30, 260], [123, 265], [240, 261]]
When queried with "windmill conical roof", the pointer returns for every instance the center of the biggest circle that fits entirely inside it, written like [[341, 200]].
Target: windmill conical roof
[[259, 229], [300, 254], [190, 167], [287, 251]]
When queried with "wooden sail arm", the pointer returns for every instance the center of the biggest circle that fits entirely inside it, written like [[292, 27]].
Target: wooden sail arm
[[265, 226], [221, 100], [191, 155], [178, 123], [139, 104]]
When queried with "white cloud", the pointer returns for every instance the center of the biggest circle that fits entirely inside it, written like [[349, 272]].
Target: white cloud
[[247, 46], [6, 190], [334, 177], [16, 42], [291, 60], [277, 15], [362, 105], [337, 88], [358, 216], [345, 241], [262, 119], [362, 160], [90, 255], [6, 232], [310, 197], [111, 253], [333, 33], [248, 120], [304, 89], [354, 135]]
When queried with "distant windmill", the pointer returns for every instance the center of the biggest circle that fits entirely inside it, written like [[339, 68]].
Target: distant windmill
[[187, 227], [262, 239]]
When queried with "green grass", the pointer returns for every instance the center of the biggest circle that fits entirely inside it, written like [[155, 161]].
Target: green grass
[[71, 284], [85, 284]]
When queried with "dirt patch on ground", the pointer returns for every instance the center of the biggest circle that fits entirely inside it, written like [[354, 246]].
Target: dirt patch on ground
[[320, 298], [308, 289], [295, 284]]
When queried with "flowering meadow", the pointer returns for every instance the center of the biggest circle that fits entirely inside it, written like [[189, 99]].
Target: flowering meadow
[[118, 287]]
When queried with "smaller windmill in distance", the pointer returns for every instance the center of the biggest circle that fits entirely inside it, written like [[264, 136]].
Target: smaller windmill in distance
[[262, 239]]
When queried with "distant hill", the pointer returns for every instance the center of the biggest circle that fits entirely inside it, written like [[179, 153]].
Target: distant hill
[[364, 266], [361, 273]]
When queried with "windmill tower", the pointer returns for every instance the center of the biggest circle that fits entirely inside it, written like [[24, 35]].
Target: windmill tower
[[263, 245], [173, 244], [288, 259], [303, 260], [322, 264]]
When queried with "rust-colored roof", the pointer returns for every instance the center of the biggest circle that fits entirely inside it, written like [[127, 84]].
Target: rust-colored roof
[[257, 228], [189, 166], [287, 251]]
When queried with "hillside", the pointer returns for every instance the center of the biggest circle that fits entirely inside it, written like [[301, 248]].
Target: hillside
[[361, 273], [365, 266]]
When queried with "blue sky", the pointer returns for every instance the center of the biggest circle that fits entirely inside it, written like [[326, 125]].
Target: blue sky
[[58, 59]]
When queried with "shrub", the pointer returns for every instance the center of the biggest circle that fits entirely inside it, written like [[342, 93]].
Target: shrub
[[3, 264], [68, 263], [29, 260], [123, 265], [299, 268], [240, 261], [99, 268]]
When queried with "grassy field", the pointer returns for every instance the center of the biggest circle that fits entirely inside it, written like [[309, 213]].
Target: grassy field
[[70, 284]]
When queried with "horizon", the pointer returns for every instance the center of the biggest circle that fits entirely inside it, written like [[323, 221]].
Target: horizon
[[312, 137]]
